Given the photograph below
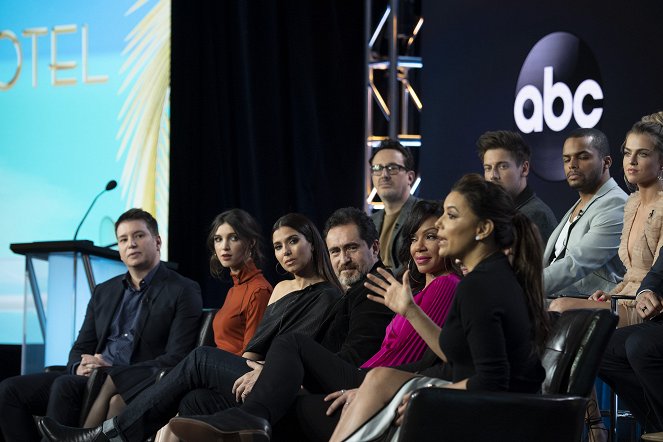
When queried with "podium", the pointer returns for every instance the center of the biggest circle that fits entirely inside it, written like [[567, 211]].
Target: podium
[[59, 279]]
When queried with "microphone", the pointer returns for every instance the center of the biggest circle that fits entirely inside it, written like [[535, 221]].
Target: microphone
[[112, 184]]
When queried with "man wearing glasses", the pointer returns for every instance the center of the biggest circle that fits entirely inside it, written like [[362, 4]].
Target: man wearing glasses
[[392, 169]]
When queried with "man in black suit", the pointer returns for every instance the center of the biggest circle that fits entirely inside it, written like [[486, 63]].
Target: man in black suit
[[146, 318], [633, 361]]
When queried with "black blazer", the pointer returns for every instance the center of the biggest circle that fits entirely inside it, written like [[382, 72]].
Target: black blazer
[[167, 326], [653, 280]]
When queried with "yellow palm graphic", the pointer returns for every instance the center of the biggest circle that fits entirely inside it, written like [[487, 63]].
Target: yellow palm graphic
[[145, 114]]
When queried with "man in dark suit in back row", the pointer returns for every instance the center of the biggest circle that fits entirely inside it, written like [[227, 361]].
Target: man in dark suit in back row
[[148, 316]]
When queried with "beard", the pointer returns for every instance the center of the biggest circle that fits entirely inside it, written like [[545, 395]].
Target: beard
[[349, 275]]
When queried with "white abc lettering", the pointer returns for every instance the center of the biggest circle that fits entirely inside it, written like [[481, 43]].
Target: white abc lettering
[[591, 88], [551, 91], [535, 122], [543, 105]]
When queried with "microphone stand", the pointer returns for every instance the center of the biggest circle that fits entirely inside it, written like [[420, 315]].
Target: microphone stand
[[110, 186]]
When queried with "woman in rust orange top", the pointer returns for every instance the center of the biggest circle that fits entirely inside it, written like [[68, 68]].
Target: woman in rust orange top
[[234, 241]]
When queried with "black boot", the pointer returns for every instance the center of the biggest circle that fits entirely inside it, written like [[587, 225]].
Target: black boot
[[54, 432], [229, 425]]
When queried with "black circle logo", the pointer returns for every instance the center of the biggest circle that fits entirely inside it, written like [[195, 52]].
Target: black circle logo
[[558, 89]]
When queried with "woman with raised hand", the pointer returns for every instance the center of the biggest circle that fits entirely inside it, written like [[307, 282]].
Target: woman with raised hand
[[207, 374], [497, 324]]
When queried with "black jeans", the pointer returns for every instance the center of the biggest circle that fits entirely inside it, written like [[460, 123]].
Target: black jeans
[[204, 368], [633, 367], [295, 360], [54, 394]]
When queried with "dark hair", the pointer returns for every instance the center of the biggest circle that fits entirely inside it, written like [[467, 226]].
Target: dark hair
[[421, 211], [408, 159], [247, 230], [352, 215], [598, 140], [138, 215], [512, 230], [504, 139], [321, 261]]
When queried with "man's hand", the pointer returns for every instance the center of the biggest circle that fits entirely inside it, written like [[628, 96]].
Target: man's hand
[[244, 384], [648, 304], [340, 398], [89, 363]]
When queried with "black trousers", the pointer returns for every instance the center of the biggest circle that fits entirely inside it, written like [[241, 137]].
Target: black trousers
[[54, 394], [295, 360], [204, 368], [633, 367]]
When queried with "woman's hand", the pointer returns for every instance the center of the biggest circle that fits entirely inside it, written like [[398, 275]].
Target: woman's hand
[[244, 384], [600, 296], [340, 399], [396, 296], [401, 409]]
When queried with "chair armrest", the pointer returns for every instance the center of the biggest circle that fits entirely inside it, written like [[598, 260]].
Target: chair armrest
[[572, 295], [615, 298], [55, 368], [435, 414], [206, 331]]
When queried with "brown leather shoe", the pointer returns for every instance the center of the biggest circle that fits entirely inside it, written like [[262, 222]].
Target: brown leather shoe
[[229, 425]]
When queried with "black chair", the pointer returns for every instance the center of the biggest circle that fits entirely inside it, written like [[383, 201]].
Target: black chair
[[571, 359]]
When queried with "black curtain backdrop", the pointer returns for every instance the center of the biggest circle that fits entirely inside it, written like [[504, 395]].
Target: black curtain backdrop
[[267, 111]]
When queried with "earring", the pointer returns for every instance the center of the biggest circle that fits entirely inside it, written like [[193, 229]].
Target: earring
[[477, 238], [285, 272]]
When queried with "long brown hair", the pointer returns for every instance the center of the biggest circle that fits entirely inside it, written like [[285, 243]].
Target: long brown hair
[[248, 230], [513, 231], [321, 262]]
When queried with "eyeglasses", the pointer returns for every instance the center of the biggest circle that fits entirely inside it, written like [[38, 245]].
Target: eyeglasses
[[392, 169]]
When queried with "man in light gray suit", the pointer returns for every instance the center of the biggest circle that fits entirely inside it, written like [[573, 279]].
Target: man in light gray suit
[[581, 254], [392, 169]]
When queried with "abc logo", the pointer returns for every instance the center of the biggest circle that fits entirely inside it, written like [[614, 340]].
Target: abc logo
[[558, 89], [543, 104]]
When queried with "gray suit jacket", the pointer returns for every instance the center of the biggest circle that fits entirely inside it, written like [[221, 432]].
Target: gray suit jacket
[[591, 262], [397, 240]]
